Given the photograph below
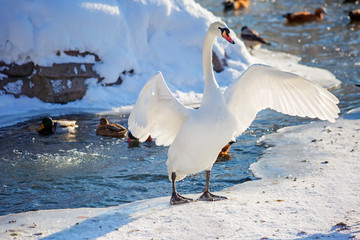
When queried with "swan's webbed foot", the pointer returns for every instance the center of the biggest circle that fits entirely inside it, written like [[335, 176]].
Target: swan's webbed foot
[[208, 196], [176, 198]]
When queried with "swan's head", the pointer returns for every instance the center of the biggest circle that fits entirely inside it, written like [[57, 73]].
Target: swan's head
[[221, 30]]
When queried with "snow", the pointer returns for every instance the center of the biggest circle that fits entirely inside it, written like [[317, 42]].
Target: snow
[[57, 85], [14, 87], [144, 36], [69, 83], [313, 194], [83, 68]]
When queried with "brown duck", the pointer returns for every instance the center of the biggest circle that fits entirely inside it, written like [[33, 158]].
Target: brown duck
[[110, 129], [224, 151], [236, 4], [302, 17]]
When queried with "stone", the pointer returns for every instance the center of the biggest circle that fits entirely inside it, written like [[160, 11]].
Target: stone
[[15, 70], [59, 83]]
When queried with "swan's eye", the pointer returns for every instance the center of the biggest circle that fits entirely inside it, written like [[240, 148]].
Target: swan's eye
[[224, 32]]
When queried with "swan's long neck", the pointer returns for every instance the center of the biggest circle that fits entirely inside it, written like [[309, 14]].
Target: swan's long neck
[[207, 62]]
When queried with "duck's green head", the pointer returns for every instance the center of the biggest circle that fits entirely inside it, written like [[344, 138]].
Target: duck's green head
[[47, 123]]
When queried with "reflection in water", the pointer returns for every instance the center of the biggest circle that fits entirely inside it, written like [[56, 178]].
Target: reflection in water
[[68, 128]]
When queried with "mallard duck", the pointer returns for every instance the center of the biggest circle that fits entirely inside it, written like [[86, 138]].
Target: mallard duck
[[236, 4], [302, 17], [354, 15], [251, 38], [47, 127], [51, 126], [110, 129]]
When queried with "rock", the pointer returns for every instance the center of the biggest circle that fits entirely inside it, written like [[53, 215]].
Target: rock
[[83, 54], [67, 71], [118, 82], [59, 83], [15, 70]]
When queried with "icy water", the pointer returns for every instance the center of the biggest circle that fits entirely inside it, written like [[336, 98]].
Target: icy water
[[79, 169]]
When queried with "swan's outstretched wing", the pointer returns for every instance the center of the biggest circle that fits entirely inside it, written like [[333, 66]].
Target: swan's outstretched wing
[[157, 113], [261, 87]]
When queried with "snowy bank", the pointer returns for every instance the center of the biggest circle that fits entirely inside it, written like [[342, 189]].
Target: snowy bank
[[309, 190], [135, 35]]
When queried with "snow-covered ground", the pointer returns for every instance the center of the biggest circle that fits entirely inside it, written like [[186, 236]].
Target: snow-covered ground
[[309, 189]]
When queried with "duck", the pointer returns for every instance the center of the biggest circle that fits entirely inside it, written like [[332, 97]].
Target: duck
[[50, 126], [47, 127], [224, 153], [105, 128], [302, 17], [252, 39], [236, 4], [192, 147], [134, 142], [354, 15]]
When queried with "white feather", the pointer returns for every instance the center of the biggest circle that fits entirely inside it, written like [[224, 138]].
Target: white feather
[[157, 113], [261, 87]]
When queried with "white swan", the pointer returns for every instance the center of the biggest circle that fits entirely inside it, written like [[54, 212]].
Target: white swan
[[194, 147]]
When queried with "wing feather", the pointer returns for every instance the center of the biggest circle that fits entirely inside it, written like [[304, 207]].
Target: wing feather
[[261, 87], [157, 113]]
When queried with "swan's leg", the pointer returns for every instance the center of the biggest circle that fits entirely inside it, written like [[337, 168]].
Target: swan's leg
[[207, 196], [176, 198]]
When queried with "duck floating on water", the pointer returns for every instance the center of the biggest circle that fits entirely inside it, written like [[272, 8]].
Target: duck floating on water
[[236, 4], [303, 17], [195, 148], [354, 15], [252, 39], [105, 128], [49, 126]]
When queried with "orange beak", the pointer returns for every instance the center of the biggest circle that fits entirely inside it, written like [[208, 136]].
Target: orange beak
[[41, 127], [227, 37]]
